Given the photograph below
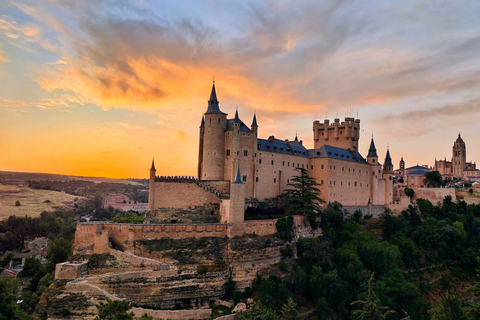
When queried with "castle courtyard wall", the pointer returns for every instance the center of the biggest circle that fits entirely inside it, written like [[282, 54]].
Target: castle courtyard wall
[[181, 195]]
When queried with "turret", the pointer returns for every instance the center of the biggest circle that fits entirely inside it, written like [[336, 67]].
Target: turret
[[388, 176], [235, 216], [372, 156], [372, 159], [459, 157], [151, 187], [200, 147], [254, 148], [236, 123], [215, 124]]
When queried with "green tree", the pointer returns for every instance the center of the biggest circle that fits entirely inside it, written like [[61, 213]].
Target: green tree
[[284, 228], [114, 310], [449, 308], [303, 196], [370, 309], [59, 251], [17, 203], [473, 310], [289, 311], [9, 309], [409, 192], [97, 200], [32, 266], [424, 205], [433, 179], [259, 312]]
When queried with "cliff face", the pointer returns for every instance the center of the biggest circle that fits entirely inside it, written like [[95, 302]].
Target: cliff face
[[165, 273]]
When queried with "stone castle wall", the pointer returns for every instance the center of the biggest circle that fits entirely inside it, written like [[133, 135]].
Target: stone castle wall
[[434, 195], [181, 195]]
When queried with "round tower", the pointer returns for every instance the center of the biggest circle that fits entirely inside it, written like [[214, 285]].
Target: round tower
[[151, 187], [372, 159], [200, 148], [213, 157]]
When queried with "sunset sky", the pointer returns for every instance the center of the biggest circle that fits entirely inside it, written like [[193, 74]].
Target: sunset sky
[[98, 88]]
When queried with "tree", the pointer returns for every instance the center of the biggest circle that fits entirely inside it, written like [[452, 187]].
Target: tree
[[449, 308], [409, 192], [370, 309], [259, 312], [59, 251], [17, 203], [9, 309], [289, 311], [114, 310], [32, 265], [284, 228], [433, 179], [303, 196]]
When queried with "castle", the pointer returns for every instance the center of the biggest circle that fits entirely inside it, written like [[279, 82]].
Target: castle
[[458, 167], [235, 164]]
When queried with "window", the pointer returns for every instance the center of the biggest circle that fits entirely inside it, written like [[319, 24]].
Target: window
[[228, 152], [321, 182], [311, 167], [274, 180], [218, 120], [373, 160], [245, 153], [259, 161], [256, 179], [288, 164], [288, 180], [322, 166], [343, 169], [355, 183], [244, 178], [283, 163], [272, 162], [210, 120]]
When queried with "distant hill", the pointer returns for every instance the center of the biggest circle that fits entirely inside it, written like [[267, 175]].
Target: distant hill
[[37, 192]]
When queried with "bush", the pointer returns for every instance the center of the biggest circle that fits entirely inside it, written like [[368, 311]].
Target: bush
[[17, 203]]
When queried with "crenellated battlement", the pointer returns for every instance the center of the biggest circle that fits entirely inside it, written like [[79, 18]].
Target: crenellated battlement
[[338, 134]]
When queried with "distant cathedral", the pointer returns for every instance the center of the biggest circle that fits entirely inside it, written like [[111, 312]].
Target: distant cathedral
[[231, 153], [458, 167]]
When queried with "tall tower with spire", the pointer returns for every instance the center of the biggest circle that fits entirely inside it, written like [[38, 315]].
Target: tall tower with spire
[[459, 157], [211, 162], [375, 167], [151, 187], [388, 176]]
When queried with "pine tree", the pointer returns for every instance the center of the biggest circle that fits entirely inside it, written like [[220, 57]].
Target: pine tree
[[370, 309], [303, 196]]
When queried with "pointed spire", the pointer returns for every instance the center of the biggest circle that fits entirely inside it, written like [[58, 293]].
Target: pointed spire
[[236, 119], [153, 165], [238, 179], [213, 102], [254, 121], [296, 137], [372, 151], [388, 160], [202, 125]]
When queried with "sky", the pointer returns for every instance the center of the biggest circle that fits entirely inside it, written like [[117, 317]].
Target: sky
[[100, 87]]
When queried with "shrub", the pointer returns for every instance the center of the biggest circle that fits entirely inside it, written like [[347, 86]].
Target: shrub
[[17, 203]]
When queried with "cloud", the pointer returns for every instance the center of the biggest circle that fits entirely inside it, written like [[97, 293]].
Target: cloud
[[11, 29], [427, 120], [6, 103], [57, 63]]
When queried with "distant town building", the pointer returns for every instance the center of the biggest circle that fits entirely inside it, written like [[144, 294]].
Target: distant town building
[[123, 203], [458, 167]]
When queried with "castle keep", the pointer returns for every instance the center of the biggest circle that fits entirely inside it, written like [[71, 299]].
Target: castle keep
[[234, 164]]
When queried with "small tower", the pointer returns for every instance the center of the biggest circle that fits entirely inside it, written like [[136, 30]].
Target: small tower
[[235, 216], [372, 159], [236, 123], [151, 187], [200, 147], [459, 157], [254, 148], [215, 124], [388, 176]]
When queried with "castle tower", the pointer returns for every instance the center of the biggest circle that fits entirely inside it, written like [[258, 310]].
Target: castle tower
[[372, 159], [459, 157], [200, 147], [254, 128], [211, 163], [341, 135], [388, 176], [235, 145], [236, 212], [151, 187]]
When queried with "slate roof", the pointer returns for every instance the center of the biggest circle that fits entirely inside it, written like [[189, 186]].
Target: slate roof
[[243, 126], [327, 151], [419, 172], [388, 159], [417, 167], [281, 146]]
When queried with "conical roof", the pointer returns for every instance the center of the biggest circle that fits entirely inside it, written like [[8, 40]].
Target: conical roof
[[153, 165], [213, 102], [238, 179], [254, 121], [202, 124], [372, 151], [388, 160]]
